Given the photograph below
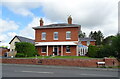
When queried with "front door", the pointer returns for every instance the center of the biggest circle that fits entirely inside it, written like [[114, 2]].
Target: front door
[[55, 50]]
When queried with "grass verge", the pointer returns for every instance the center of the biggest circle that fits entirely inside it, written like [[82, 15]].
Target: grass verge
[[59, 57]]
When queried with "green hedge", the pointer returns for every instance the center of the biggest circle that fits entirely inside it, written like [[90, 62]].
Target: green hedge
[[20, 55], [25, 49], [105, 51], [92, 51], [116, 46], [101, 51]]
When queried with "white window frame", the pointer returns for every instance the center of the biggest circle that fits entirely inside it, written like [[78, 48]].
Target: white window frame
[[42, 51], [54, 36], [88, 43], [66, 50], [42, 36], [67, 33]]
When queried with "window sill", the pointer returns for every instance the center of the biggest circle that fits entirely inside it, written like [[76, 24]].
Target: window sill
[[43, 52], [43, 39], [55, 39], [68, 52], [68, 38]]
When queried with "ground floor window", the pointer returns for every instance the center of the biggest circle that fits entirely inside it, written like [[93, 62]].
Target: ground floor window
[[67, 49], [82, 51], [44, 49]]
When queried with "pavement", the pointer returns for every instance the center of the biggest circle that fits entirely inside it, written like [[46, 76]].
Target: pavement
[[68, 67], [23, 70]]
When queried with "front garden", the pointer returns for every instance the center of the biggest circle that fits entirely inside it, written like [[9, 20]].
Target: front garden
[[59, 57], [27, 50]]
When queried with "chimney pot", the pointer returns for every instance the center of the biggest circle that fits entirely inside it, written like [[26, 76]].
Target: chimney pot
[[70, 20], [41, 22]]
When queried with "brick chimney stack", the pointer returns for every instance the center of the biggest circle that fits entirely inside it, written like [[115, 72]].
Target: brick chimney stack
[[41, 22], [70, 20]]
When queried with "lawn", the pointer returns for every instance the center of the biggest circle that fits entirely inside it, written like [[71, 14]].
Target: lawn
[[59, 57]]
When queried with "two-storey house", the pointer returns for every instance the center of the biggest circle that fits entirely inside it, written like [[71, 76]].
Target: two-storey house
[[57, 39]]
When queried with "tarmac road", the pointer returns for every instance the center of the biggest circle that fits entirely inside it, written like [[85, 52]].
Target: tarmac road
[[21, 70]]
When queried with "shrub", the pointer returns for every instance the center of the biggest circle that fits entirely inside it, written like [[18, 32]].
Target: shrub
[[101, 51], [111, 48], [36, 54], [116, 46], [92, 51], [105, 51], [20, 55], [26, 48]]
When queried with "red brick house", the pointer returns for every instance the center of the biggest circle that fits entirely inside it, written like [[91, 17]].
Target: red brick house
[[58, 39]]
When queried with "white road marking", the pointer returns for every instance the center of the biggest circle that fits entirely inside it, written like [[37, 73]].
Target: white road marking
[[38, 72], [95, 75]]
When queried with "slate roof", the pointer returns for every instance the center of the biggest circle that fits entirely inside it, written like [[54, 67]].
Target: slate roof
[[57, 26], [24, 39], [86, 39]]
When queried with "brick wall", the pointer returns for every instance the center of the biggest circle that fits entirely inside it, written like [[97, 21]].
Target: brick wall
[[111, 61], [85, 43], [62, 62], [61, 34], [92, 42], [72, 51], [50, 51]]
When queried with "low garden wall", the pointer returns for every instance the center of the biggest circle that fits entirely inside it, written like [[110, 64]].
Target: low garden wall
[[64, 62]]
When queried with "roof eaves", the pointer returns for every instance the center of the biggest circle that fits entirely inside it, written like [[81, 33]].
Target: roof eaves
[[14, 38], [53, 27]]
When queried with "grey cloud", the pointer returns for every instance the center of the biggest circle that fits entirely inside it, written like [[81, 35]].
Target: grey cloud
[[88, 13], [95, 14]]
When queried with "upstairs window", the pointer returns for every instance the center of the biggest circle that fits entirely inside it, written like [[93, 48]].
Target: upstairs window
[[68, 35], [67, 49], [43, 35], [55, 35], [88, 43]]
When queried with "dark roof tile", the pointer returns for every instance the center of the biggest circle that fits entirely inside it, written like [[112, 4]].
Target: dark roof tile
[[57, 26], [86, 39], [24, 39]]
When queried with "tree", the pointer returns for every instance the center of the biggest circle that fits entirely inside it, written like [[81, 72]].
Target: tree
[[105, 51], [118, 34], [100, 51], [92, 51], [110, 47], [95, 35], [91, 34], [108, 40], [26, 49], [82, 35], [116, 46], [98, 36]]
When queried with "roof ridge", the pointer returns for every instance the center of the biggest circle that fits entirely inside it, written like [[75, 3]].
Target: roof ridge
[[24, 37], [60, 24], [64, 24]]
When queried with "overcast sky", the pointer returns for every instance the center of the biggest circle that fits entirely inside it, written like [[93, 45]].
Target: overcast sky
[[19, 16]]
